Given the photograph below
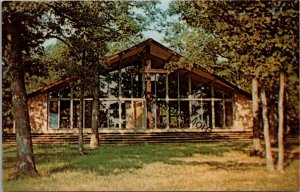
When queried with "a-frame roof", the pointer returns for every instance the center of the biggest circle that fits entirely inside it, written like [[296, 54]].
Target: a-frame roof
[[157, 50], [154, 48], [160, 51]]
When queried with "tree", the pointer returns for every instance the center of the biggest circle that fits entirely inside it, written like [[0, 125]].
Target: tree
[[256, 120], [268, 149], [19, 37], [281, 122], [253, 36], [26, 25], [116, 23]]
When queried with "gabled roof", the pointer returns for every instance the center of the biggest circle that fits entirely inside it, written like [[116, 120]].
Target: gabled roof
[[152, 48], [50, 87], [155, 49]]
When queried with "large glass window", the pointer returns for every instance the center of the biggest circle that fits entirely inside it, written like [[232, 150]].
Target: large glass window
[[132, 109], [222, 94], [201, 114], [61, 93], [184, 114], [134, 114], [103, 114], [219, 114], [174, 114], [88, 114], [65, 114], [131, 83], [113, 114], [161, 85], [113, 84], [161, 114], [184, 85], [76, 105], [103, 87], [200, 90], [137, 85], [54, 114], [126, 82], [173, 85]]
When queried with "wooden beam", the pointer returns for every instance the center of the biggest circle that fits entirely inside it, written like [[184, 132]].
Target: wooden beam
[[178, 95], [144, 103], [151, 70], [224, 113], [119, 96], [149, 96], [212, 105], [190, 102], [167, 101], [155, 107], [71, 109], [108, 93]]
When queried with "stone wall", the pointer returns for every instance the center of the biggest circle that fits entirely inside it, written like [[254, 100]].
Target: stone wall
[[38, 113], [242, 112]]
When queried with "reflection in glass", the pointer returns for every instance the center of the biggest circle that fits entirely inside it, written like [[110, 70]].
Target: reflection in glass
[[161, 114], [173, 85], [53, 122], [65, 114], [184, 114], [88, 114], [113, 114], [201, 114], [76, 105], [173, 113], [184, 85], [219, 114], [134, 114], [103, 118], [61, 93], [161, 86]]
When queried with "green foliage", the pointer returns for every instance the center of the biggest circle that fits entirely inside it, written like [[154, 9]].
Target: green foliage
[[258, 39], [260, 35], [118, 46], [89, 28], [199, 47]]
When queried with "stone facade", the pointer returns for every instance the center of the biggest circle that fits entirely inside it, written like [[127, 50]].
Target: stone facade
[[38, 113], [242, 112]]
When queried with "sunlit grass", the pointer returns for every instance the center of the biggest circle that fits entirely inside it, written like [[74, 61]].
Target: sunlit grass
[[205, 166]]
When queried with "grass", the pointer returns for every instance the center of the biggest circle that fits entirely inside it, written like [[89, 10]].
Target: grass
[[205, 166]]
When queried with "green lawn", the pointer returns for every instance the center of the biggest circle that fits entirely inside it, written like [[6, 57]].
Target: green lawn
[[206, 166]]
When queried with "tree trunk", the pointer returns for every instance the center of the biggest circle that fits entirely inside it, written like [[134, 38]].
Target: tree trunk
[[81, 108], [149, 96], [281, 122], [257, 148], [94, 142], [268, 149], [25, 158]]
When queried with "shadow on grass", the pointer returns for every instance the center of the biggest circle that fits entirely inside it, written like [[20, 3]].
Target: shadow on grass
[[115, 159]]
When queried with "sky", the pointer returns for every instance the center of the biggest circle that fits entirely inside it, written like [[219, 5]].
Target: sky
[[164, 4]]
